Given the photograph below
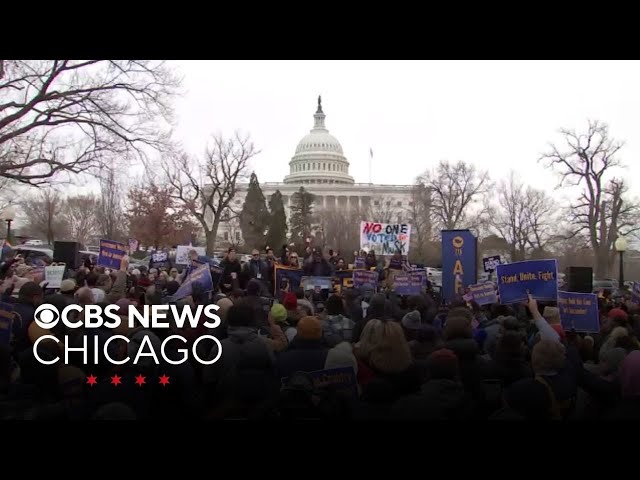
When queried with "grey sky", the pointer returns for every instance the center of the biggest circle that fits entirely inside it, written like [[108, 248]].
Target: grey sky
[[498, 115]]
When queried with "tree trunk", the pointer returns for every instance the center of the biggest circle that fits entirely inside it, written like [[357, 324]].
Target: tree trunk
[[602, 264]]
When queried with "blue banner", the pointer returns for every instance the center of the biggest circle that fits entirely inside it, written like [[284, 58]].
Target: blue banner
[[459, 262], [579, 311], [362, 277], [538, 277], [111, 254], [201, 276], [284, 276], [340, 379], [310, 283], [483, 293], [6, 322]]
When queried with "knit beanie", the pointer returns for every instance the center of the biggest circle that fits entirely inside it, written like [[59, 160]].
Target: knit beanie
[[309, 328]]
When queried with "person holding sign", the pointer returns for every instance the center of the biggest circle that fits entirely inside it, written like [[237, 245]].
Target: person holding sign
[[231, 270]]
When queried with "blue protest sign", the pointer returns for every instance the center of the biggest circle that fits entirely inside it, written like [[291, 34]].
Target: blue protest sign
[[579, 311], [359, 262], [490, 263], [459, 264], [635, 293], [284, 276], [483, 293], [6, 322], [339, 379], [407, 285], [539, 277], [362, 277], [201, 276], [160, 259], [310, 283], [111, 254]]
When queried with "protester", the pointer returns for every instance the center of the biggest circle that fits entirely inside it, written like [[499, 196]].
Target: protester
[[231, 270]]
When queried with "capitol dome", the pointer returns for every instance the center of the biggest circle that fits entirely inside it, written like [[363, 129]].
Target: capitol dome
[[319, 157]]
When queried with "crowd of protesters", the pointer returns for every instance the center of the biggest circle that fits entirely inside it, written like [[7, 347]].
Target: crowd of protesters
[[412, 357]]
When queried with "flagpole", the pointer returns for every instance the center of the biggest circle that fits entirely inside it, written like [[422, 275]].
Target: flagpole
[[370, 159]]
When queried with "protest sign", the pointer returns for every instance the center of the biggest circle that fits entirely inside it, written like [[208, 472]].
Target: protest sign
[[408, 284], [579, 311], [385, 238], [286, 278], [359, 262], [483, 293], [342, 380], [53, 276], [342, 279], [459, 262], [362, 277], [160, 259], [490, 263], [182, 253], [200, 276], [538, 277], [111, 254], [421, 274], [133, 245], [310, 283], [6, 322]]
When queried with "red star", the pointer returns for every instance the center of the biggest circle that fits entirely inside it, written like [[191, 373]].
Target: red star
[[164, 380], [92, 380], [115, 380], [140, 380]]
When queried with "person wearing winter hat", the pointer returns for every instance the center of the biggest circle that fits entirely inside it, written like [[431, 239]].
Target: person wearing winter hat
[[290, 301], [552, 316], [68, 287], [341, 356], [307, 352], [283, 317]]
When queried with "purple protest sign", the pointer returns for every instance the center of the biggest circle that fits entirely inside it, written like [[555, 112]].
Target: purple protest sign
[[362, 277], [483, 293]]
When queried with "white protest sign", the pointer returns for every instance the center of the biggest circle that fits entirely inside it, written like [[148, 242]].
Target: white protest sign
[[53, 276], [182, 253], [385, 238]]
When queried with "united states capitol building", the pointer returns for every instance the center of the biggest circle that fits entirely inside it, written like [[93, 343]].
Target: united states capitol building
[[321, 167]]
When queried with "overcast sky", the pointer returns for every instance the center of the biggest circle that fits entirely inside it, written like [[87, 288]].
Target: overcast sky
[[498, 115]]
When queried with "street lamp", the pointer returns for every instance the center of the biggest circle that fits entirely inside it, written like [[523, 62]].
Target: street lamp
[[621, 246], [8, 215]]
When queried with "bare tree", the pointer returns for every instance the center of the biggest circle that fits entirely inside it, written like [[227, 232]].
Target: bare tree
[[43, 216], [71, 116], [206, 187], [523, 216], [418, 214], [602, 210], [455, 190], [384, 210], [79, 213], [339, 228], [109, 213]]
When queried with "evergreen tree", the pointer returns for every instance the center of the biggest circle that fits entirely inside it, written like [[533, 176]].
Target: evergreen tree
[[254, 217], [301, 217], [277, 235]]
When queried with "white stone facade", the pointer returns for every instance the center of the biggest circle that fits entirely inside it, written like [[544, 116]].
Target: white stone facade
[[320, 166]]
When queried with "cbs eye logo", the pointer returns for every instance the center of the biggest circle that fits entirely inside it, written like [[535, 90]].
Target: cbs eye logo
[[46, 316]]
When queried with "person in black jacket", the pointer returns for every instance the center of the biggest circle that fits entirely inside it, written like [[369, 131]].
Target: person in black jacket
[[231, 270], [307, 352], [317, 266], [256, 269]]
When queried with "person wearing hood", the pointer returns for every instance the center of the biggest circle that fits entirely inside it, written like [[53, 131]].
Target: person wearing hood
[[252, 298], [442, 397]]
